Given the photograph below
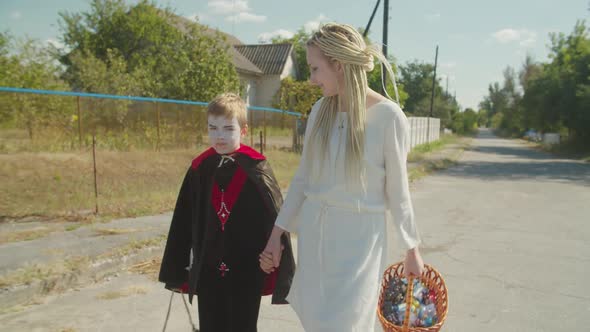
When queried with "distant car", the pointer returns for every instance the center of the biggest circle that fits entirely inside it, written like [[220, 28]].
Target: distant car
[[532, 135]]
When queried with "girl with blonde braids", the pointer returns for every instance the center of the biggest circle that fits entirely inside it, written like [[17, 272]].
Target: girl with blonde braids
[[351, 178]]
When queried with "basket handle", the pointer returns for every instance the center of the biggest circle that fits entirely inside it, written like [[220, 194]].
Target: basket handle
[[409, 292]]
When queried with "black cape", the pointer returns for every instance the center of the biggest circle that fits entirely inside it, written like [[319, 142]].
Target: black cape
[[189, 227]]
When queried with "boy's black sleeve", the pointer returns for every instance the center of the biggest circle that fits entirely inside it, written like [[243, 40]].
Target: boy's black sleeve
[[174, 268]]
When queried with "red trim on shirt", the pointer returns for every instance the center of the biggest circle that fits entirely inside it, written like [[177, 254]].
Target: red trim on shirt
[[243, 149], [248, 151], [270, 281], [229, 197], [208, 153]]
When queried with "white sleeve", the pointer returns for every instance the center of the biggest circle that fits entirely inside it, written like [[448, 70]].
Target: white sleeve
[[397, 189], [287, 218]]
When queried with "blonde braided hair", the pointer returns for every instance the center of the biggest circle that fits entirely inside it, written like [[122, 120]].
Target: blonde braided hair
[[343, 43]]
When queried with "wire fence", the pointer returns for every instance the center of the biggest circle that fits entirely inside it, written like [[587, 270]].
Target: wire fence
[[41, 120], [69, 154]]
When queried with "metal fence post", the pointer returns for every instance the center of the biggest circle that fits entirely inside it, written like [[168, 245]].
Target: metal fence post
[[95, 179], [261, 144], [79, 122], [157, 127], [264, 126]]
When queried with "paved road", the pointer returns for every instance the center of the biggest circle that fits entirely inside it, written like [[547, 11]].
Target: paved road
[[508, 228]]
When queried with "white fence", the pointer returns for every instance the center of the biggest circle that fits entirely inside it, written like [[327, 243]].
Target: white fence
[[420, 133]]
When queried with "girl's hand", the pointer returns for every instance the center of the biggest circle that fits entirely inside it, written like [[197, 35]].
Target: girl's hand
[[266, 263], [270, 258], [413, 264]]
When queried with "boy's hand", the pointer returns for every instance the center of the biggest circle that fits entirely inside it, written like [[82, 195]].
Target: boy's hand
[[266, 263], [270, 258]]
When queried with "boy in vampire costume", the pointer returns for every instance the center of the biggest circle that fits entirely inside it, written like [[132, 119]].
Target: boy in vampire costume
[[225, 212]]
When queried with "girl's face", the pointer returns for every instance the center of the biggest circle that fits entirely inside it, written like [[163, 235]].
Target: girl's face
[[324, 73], [225, 134]]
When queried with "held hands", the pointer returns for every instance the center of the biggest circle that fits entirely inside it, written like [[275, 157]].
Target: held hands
[[413, 264], [270, 258]]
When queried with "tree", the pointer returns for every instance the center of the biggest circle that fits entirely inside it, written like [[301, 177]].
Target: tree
[[375, 81], [555, 95], [482, 118], [169, 56], [512, 119], [416, 80], [296, 96], [570, 64], [299, 41], [31, 66]]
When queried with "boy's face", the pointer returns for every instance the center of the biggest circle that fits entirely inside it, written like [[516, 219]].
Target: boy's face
[[225, 133]]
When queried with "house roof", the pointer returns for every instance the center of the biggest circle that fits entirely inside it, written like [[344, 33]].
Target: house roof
[[242, 63], [270, 58]]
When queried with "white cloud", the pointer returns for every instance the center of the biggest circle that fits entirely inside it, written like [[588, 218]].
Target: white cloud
[[313, 25], [237, 11], [432, 17], [16, 15], [266, 37], [523, 37], [246, 17], [228, 6]]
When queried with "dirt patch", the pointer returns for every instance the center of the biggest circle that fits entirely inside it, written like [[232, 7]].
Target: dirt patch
[[112, 295]]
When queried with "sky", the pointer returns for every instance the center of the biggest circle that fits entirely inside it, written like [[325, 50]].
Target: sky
[[477, 40]]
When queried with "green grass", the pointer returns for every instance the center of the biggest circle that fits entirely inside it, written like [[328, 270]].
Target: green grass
[[419, 151], [423, 169]]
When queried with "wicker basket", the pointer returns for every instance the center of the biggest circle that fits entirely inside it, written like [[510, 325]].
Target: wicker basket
[[431, 279]]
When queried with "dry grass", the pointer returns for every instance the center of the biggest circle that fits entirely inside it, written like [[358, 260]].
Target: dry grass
[[135, 183], [135, 246], [129, 291], [284, 165], [28, 274], [36, 272], [150, 268], [113, 231], [25, 235]]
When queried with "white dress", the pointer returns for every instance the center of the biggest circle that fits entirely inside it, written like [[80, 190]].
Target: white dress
[[341, 241]]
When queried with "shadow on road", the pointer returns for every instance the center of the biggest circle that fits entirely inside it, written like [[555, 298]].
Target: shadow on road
[[493, 158], [548, 170]]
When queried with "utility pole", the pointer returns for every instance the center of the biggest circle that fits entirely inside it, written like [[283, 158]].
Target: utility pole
[[385, 42], [433, 80], [432, 95], [384, 48], [371, 19]]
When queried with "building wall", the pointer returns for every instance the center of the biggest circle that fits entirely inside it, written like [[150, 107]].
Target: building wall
[[249, 92], [289, 69], [266, 88]]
